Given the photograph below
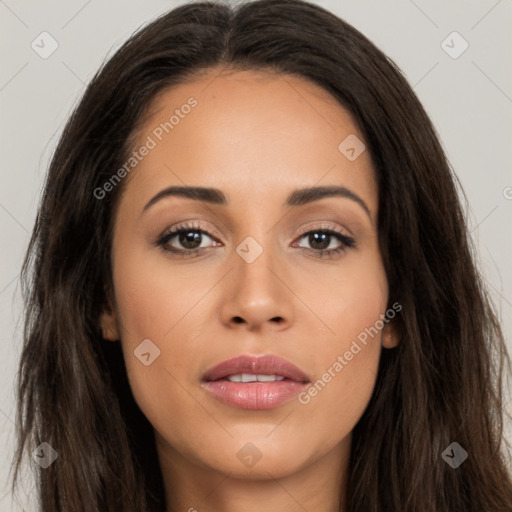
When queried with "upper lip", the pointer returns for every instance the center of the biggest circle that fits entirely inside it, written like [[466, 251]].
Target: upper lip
[[257, 365]]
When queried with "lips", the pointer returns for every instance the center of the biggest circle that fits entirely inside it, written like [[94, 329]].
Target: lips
[[256, 365], [257, 383]]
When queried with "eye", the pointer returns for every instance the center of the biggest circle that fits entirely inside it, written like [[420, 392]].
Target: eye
[[190, 237], [321, 241]]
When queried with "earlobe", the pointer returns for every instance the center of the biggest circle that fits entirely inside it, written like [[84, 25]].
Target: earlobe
[[108, 325], [391, 334]]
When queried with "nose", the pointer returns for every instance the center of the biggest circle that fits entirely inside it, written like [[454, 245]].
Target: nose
[[259, 296]]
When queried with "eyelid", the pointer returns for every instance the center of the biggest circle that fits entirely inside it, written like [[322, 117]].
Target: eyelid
[[325, 226], [192, 225], [346, 240], [196, 225]]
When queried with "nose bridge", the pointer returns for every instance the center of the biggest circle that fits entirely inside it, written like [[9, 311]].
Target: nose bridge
[[257, 295], [257, 249], [255, 258]]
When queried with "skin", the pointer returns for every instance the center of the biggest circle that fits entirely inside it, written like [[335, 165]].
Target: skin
[[257, 137]]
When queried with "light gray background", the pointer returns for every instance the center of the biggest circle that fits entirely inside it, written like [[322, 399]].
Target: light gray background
[[469, 100]]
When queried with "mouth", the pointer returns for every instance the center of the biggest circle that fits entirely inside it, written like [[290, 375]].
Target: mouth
[[250, 377], [255, 382]]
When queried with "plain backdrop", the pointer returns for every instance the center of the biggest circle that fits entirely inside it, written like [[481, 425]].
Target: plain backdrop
[[469, 99]]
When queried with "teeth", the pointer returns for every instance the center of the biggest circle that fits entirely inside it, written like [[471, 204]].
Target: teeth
[[250, 377]]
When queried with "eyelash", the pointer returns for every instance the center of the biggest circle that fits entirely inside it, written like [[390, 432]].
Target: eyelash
[[346, 241]]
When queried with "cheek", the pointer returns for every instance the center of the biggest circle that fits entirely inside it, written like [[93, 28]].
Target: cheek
[[154, 298], [169, 310], [348, 355]]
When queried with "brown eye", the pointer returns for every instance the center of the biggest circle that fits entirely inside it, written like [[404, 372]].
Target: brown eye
[[321, 239], [185, 240]]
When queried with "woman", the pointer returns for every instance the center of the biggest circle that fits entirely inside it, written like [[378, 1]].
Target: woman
[[252, 204]]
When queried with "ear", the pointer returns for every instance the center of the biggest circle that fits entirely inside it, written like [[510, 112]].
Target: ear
[[108, 324], [391, 334]]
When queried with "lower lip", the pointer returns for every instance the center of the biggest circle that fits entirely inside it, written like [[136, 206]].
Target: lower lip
[[254, 395]]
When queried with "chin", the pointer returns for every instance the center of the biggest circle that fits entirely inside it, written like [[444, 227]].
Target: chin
[[276, 465], [259, 458]]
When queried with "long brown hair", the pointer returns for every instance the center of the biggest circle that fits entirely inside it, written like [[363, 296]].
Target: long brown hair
[[442, 384]]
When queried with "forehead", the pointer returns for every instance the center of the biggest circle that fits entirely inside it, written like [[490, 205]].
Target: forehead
[[252, 134]]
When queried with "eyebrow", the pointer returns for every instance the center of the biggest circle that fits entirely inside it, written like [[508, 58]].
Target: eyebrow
[[298, 197]]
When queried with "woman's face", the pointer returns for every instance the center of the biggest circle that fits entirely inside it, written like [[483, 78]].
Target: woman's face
[[253, 282]]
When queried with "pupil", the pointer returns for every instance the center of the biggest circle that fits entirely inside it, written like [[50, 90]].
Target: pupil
[[189, 238], [313, 240]]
